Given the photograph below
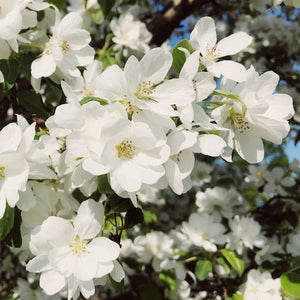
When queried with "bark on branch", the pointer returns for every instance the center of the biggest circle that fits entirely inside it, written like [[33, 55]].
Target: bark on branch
[[175, 11]]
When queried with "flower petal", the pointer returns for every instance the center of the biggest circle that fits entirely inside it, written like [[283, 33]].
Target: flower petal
[[233, 44], [209, 144], [249, 147], [10, 137], [117, 273], [229, 69], [43, 66], [204, 35], [52, 282], [89, 218], [155, 65], [59, 232], [104, 249]]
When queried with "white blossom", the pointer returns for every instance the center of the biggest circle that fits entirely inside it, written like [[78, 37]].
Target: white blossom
[[141, 86], [14, 16], [66, 49], [260, 286], [204, 231], [218, 200], [293, 245], [204, 38], [256, 176], [70, 255], [253, 113], [181, 161], [245, 232], [131, 34], [276, 181], [14, 169]]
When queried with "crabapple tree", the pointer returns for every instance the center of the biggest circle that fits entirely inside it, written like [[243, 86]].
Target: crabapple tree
[[145, 149]]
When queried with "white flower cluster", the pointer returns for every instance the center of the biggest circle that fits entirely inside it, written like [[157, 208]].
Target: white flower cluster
[[203, 235], [260, 5], [139, 130], [16, 15], [272, 34], [69, 254]]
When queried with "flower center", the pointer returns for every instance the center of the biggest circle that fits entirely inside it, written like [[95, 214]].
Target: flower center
[[212, 53], [126, 149], [177, 156], [78, 246], [245, 232], [125, 37], [145, 90], [65, 46], [240, 124], [217, 207], [254, 289], [86, 91], [259, 174], [277, 182], [2, 174], [205, 236], [129, 107]]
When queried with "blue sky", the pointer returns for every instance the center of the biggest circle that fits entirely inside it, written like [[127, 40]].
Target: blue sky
[[292, 150]]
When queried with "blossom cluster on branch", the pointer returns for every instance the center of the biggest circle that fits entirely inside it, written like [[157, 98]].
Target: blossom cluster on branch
[[124, 131]]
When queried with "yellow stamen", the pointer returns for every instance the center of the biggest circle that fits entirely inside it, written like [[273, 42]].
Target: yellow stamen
[[240, 123], [145, 90], [2, 174], [126, 149], [212, 53], [65, 46], [78, 246]]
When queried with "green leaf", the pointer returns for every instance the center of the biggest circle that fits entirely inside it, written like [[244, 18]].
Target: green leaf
[[108, 61], [119, 204], [235, 261], [7, 222], [235, 297], [104, 186], [60, 4], [168, 279], [149, 216], [179, 56], [106, 6], [33, 103], [251, 193], [98, 16], [290, 283], [25, 60], [14, 238], [295, 264], [54, 90], [133, 216], [88, 99], [10, 69], [118, 286], [224, 264], [78, 195], [202, 269]]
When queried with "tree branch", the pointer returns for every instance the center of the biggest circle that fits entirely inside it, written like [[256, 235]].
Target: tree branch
[[175, 11]]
